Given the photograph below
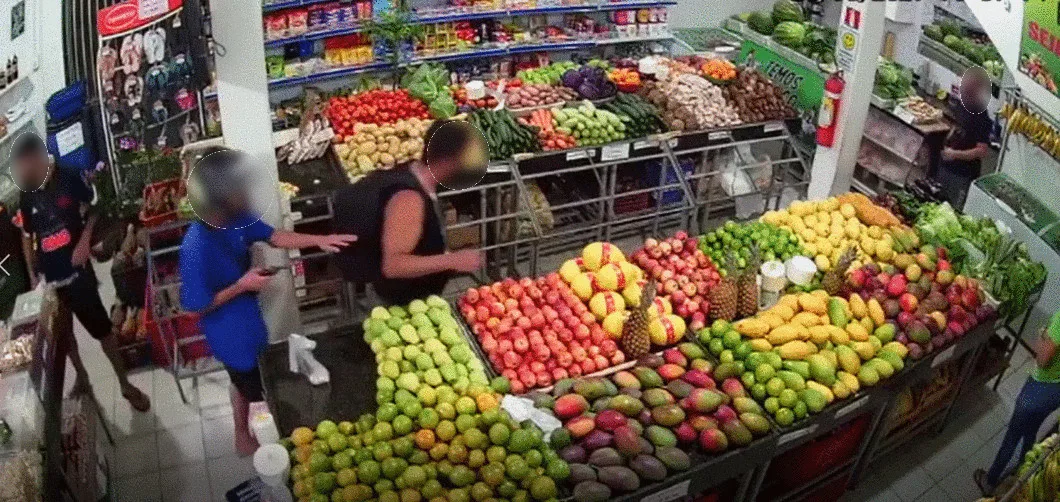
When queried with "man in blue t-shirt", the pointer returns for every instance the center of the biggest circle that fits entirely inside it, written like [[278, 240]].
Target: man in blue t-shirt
[[219, 283], [57, 223]]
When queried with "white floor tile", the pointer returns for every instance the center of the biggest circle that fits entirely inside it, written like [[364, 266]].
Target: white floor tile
[[227, 473], [142, 488], [914, 483], [187, 483], [128, 422], [213, 391], [136, 455], [218, 411], [960, 485], [219, 437], [180, 445], [937, 494]]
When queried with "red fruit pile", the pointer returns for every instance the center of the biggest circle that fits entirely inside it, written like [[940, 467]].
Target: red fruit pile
[[537, 331], [377, 106], [683, 274], [931, 307]]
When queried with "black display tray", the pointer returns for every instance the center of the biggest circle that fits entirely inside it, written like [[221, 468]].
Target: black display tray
[[351, 391]]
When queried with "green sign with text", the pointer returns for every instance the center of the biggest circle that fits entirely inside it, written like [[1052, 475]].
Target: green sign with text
[[1040, 50], [804, 86]]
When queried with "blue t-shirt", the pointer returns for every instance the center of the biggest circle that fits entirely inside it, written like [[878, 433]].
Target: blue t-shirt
[[211, 260]]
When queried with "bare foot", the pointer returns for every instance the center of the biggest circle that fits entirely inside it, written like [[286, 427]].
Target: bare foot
[[136, 398]]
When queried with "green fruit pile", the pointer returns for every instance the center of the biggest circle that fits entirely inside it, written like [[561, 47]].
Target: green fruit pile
[[438, 434], [774, 243], [636, 427], [588, 124]]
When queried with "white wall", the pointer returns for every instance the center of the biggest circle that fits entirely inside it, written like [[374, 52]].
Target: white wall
[[711, 13]]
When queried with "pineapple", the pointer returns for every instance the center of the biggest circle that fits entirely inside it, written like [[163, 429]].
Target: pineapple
[[747, 286], [724, 296], [834, 279], [635, 341]]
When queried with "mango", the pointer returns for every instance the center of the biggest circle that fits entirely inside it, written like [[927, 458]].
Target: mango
[[882, 367], [848, 359], [885, 333], [849, 380], [897, 347], [857, 332], [760, 345], [771, 319], [825, 391], [837, 312], [815, 401], [812, 303], [783, 334], [864, 349], [784, 312], [807, 319], [858, 308], [751, 327], [840, 390], [801, 368], [792, 380], [795, 349], [820, 334], [838, 336], [875, 311], [821, 370], [868, 376]]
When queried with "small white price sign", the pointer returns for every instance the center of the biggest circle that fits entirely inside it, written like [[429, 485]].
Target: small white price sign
[[792, 436], [579, 154], [772, 126], [852, 407], [673, 143], [719, 135], [614, 152], [149, 9], [667, 494], [904, 114], [642, 144], [943, 357]]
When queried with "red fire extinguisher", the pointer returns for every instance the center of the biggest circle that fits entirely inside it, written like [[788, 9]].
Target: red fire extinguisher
[[829, 113]]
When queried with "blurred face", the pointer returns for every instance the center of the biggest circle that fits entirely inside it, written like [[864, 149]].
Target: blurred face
[[975, 89], [31, 170], [465, 167]]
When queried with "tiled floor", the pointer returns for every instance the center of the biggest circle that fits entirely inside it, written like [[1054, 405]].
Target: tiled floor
[[184, 452]]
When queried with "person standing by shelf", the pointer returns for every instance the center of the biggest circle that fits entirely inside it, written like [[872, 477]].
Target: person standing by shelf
[[57, 223], [1038, 398], [218, 281], [969, 142], [403, 251]]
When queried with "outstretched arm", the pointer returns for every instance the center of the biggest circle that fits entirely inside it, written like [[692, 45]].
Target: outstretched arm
[[294, 240]]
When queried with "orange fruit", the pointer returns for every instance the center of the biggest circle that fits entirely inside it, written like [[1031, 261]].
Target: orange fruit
[[302, 435], [486, 401], [425, 439]]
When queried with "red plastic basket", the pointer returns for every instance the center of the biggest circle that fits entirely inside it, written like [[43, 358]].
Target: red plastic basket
[[162, 218], [163, 335]]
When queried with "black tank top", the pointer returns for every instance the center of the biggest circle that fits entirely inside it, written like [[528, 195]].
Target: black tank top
[[360, 209]]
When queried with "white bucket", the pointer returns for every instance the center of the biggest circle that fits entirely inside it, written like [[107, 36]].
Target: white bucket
[[273, 464]]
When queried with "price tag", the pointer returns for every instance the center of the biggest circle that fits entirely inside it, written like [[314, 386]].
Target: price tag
[[904, 115], [792, 436], [852, 407], [719, 135], [642, 144], [614, 152], [294, 253], [149, 9], [773, 126], [667, 494], [70, 139], [296, 215], [579, 154], [944, 357], [672, 143]]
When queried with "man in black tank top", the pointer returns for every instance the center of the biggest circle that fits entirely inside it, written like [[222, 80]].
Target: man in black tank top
[[402, 249]]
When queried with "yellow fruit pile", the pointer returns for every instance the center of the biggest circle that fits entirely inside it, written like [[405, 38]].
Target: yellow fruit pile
[[827, 228], [610, 285], [854, 339], [382, 147]]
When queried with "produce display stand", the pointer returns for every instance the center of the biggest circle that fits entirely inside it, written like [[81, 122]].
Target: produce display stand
[[294, 401], [908, 163]]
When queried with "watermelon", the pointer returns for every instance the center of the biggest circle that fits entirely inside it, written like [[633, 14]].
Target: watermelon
[[952, 41], [761, 22], [787, 10], [789, 33]]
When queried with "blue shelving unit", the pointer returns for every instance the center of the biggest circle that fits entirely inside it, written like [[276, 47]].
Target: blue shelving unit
[[325, 75], [275, 6], [280, 42]]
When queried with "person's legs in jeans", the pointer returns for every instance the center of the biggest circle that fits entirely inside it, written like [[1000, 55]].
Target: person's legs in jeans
[[1033, 405], [85, 303]]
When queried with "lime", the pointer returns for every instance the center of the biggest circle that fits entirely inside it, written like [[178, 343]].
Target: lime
[[382, 451], [419, 457], [499, 434], [516, 467], [507, 489], [500, 385], [340, 461], [412, 409], [383, 431], [411, 495], [445, 410], [403, 446], [496, 454], [319, 462], [386, 492], [476, 458], [716, 346], [480, 492], [758, 391], [726, 356], [415, 476], [476, 439], [464, 423], [337, 442], [324, 482], [428, 418], [346, 477], [800, 410], [445, 430], [386, 412], [543, 488], [466, 405], [402, 425], [432, 488], [764, 372], [461, 476], [368, 471], [788, 398], [427, 395], [492, 474], [557, 469], [785, 417], [774, 386], [772, 404], [533, 458], [393, 467], [458, 495]]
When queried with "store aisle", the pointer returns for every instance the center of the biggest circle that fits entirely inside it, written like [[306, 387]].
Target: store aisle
[[176, 451]]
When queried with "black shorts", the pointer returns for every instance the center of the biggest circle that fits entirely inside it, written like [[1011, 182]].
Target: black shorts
[[248, 383], [82, 298]]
